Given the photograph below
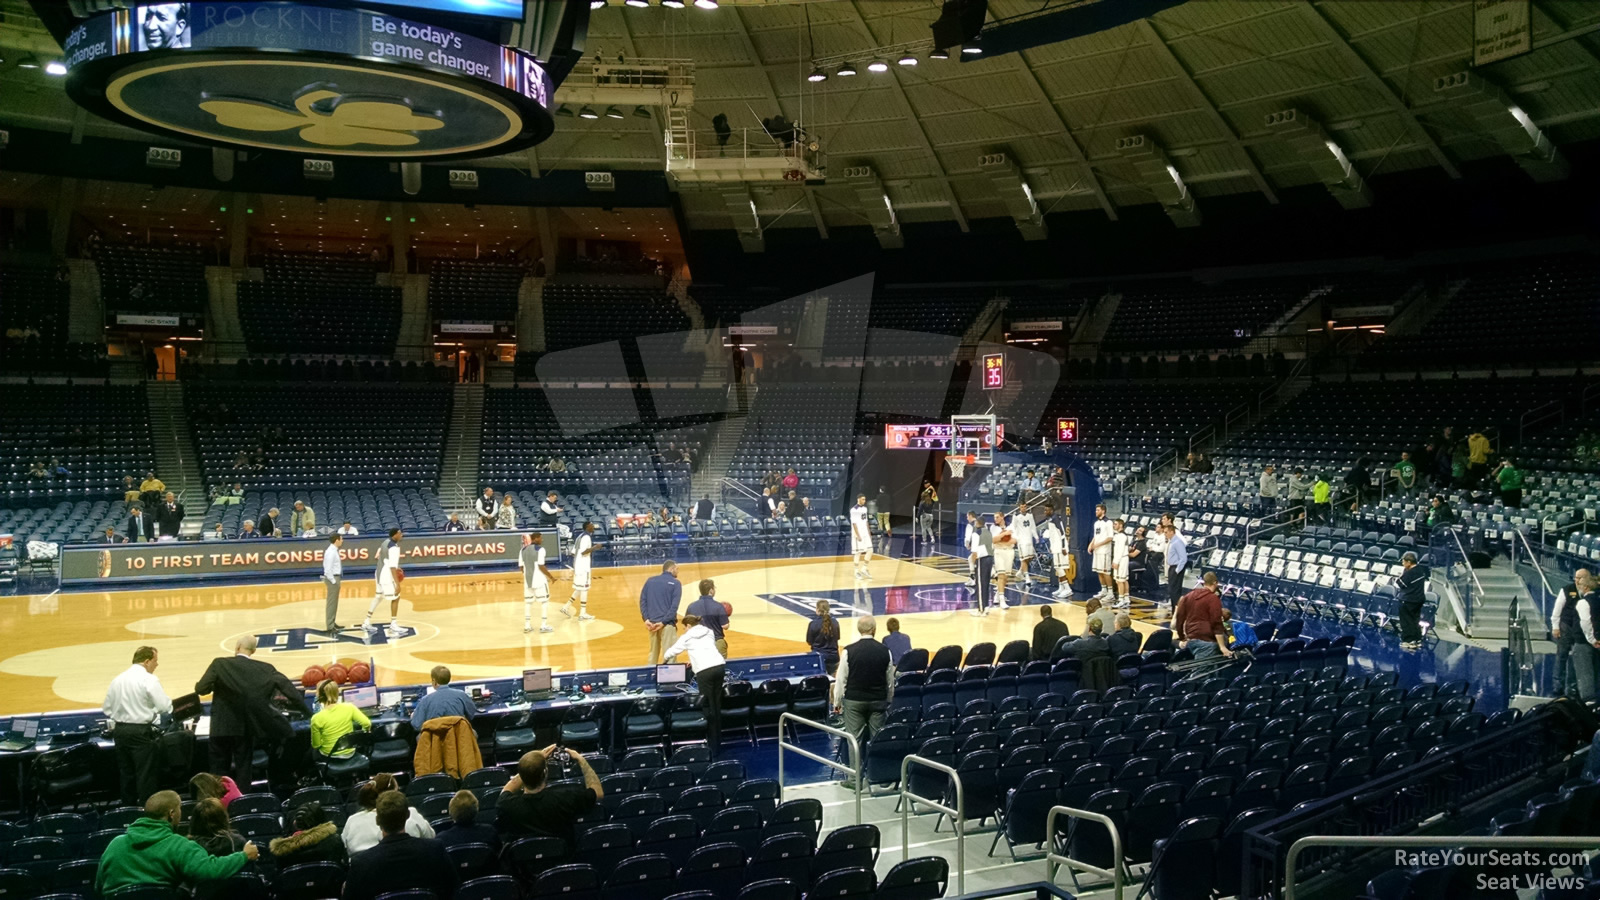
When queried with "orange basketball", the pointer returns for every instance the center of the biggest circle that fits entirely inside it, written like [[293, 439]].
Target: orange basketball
[[312, 677], [339, 673], [727, 607], [360, 673]]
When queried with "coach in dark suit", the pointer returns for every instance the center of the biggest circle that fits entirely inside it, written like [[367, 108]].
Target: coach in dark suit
[[140, 526], [169, 516], [243, 716]]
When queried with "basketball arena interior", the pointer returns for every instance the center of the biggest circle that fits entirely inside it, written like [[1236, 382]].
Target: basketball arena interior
[[799, 449]]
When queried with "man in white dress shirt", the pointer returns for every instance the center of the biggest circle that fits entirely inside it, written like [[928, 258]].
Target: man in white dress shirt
[[582, 572], [332, 577], [550, 511], [1177, 561], [134, 705], [861, 538], [487, 508]]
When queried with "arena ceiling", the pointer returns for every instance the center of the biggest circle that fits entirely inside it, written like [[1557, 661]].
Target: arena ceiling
[[1198, 79]]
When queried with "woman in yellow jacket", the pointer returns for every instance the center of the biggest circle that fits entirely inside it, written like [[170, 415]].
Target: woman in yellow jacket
[[335, 720]]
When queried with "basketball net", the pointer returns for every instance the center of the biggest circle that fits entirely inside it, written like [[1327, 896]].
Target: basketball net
[[958, 464]]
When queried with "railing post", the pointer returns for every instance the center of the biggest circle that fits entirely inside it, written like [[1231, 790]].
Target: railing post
[[1053, 859], [854, 769], [958, 815]]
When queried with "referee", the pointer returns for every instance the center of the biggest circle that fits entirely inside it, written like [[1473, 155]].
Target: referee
[[134, 704]]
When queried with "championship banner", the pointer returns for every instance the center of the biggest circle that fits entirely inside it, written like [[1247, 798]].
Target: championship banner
[[466, 327], [124, 563]]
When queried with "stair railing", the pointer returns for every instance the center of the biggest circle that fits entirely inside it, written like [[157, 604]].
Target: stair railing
[[1522, 551]]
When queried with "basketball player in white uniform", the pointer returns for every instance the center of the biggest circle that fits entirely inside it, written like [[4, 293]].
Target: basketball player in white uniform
[[861, 538], [1119, 561], [582, 572], [1100, 546], [1027, 535], [1056, 537], [536, 579], [387, 579], [1005, 556]]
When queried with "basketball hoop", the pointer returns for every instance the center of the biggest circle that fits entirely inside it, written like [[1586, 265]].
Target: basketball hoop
[[958, 464]]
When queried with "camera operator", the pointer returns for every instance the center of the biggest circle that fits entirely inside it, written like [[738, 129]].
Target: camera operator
[[530, 805]]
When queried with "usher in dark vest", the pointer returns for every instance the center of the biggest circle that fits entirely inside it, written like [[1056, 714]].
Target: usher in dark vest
[[869, 671]]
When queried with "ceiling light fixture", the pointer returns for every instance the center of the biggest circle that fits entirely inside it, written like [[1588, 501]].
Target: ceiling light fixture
[[563, 111], [973, 47], [706, 4], [636, 4], [28, 61], [907, 60], [613, 113], [817, 75], [674, 4], [641, 112], [877, 65], [588, 113], [596, 4], [847, 70], [939, 53]]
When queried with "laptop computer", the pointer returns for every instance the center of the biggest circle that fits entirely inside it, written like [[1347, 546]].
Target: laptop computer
[[672, 677], [22, 736], [537, 684], [187, 707], [363, 698]]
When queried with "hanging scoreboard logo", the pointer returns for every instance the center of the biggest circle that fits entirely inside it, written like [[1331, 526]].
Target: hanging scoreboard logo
[[994, 371], [308, 77]]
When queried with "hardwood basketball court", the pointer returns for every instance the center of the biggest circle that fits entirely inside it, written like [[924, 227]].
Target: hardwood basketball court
[[64, 648]]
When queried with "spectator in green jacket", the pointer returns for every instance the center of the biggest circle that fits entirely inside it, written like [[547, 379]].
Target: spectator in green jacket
[[1509, 477], [152, 852]]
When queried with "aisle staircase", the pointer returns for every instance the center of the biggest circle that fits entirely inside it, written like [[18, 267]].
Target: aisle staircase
[[1502, 585], [464, 440], [707, 482], [1092, 326], [177, 464]]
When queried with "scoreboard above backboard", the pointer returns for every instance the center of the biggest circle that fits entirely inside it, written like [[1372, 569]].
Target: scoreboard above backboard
[[934, 435], [1066, 431], [994, 371]]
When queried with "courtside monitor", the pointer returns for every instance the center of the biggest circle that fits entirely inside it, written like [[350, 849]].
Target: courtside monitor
[[535, 680], [669, 674]]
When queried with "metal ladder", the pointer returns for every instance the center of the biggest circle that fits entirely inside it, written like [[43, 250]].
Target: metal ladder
[[680, 137]]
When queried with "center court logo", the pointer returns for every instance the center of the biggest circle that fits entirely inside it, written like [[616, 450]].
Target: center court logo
[[289, 640]]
